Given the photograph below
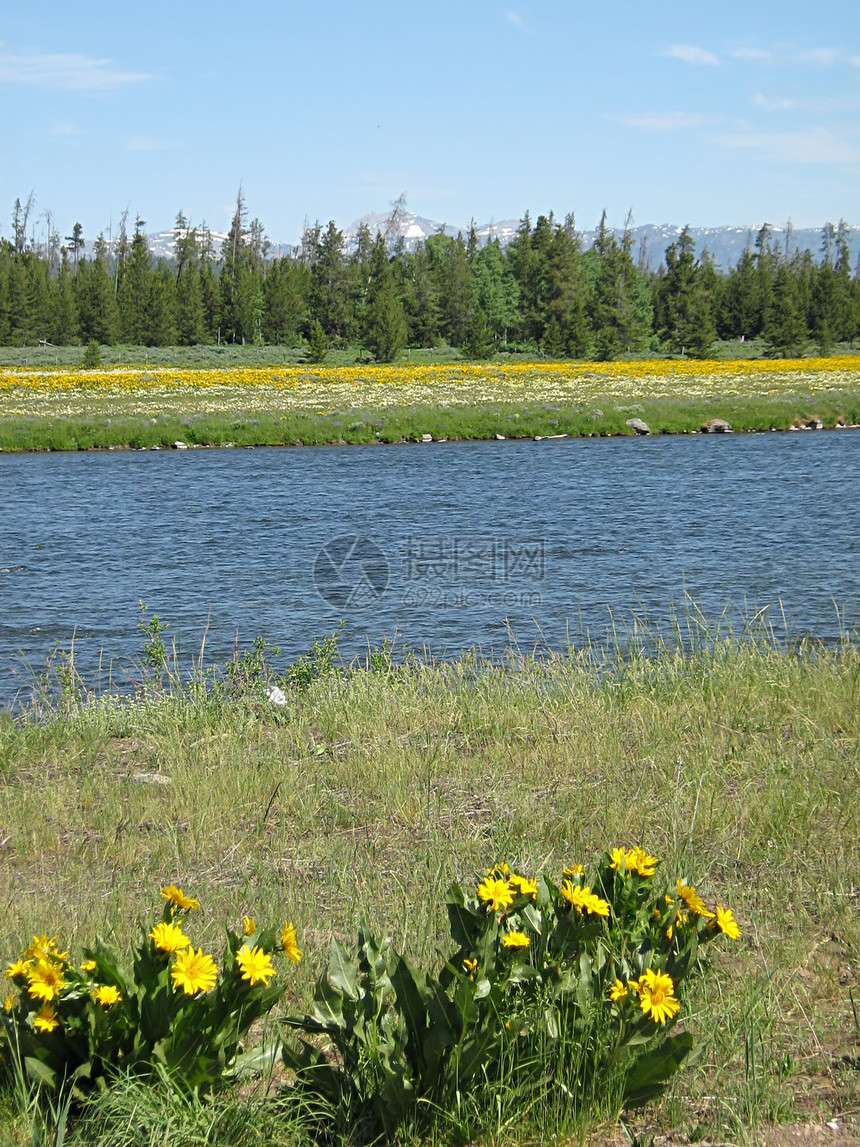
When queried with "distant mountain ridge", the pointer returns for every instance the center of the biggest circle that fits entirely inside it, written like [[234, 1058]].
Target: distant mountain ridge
[[725, 245]]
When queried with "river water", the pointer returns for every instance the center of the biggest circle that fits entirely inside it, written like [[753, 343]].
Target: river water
[[443, 546]]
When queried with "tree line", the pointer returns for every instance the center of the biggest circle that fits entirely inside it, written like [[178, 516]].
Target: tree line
[[542, 292]]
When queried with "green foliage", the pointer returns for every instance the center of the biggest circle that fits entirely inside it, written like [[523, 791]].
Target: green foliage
[[317, 344], [319, 661], [547, 985], [174, 1015], [250, 670], [92, 355], [155, 653]]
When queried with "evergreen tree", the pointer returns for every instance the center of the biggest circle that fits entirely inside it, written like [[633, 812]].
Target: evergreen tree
[[330, 287], [98, 315], [134, 289], [161, 307], [286, 291], [234, 256], [496, 294], [453, 278], [567, 331], [686, 311], [421, 300], [76, 243], [785, 330], [767, 262], [64, 319], [385, 323], [619, 305], [189, 312], [740, 313]]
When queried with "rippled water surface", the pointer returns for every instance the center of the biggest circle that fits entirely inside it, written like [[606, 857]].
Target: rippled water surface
[[448, 545]]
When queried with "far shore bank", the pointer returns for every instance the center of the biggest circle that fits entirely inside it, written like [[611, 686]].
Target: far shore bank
[[223, 430], [129, 408]]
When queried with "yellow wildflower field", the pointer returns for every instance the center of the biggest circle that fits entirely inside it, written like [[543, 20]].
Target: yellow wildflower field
[[322, 389]]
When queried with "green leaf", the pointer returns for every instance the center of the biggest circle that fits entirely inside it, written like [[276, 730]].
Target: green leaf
[[650, 1074], [342, 970], [40, 1073], [328, 1005], [397, 1098], [410, 990], [533, 918]]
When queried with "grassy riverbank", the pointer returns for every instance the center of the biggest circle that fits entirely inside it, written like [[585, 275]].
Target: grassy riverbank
[[57, 409], [369, 790]]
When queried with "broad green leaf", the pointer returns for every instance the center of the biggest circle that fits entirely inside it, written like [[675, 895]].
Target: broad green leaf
[[410, 991], [342, 970], [328, 1004], [651, 1073]]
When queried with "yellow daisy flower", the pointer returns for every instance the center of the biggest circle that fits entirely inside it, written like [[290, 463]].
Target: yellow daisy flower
[[45, 979], [657, 995], [194, 971], [249, 925], [618, 991], [617, 858], [19, 968], [88, 965], [583, 899], [178, 899], [255, 965], [45, 1019], [8, 1004], [523, 885], [169, 937], [693, 900], [289, 943], [726, 922], [515, 940], [574, 870], [596, 905], [44, 947], [470, 965], [106, 994], [638, 860], [497, 893]]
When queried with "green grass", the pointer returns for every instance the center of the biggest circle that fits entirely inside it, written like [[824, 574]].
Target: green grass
[[205, 355], [735, 761], [408, 424], [233, 354]]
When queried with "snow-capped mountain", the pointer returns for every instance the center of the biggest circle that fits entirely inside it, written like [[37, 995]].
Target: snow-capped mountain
[[725, 245]]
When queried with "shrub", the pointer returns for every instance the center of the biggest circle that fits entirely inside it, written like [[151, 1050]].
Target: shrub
[[175, 1013], [92, 355], [566, 984]]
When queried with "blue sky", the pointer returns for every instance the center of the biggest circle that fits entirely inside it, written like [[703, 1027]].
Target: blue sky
[[683, 111]]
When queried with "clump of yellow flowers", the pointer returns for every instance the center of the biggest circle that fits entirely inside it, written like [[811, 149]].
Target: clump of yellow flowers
[[606, 955], [64, 1021]]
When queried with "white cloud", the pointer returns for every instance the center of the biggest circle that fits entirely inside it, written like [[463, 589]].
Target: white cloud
[[516, 19], [826, 57], [665, 121], [827, 104], [755, 54], [690, 54], [817, 145], [69, 70], [783, 57]]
